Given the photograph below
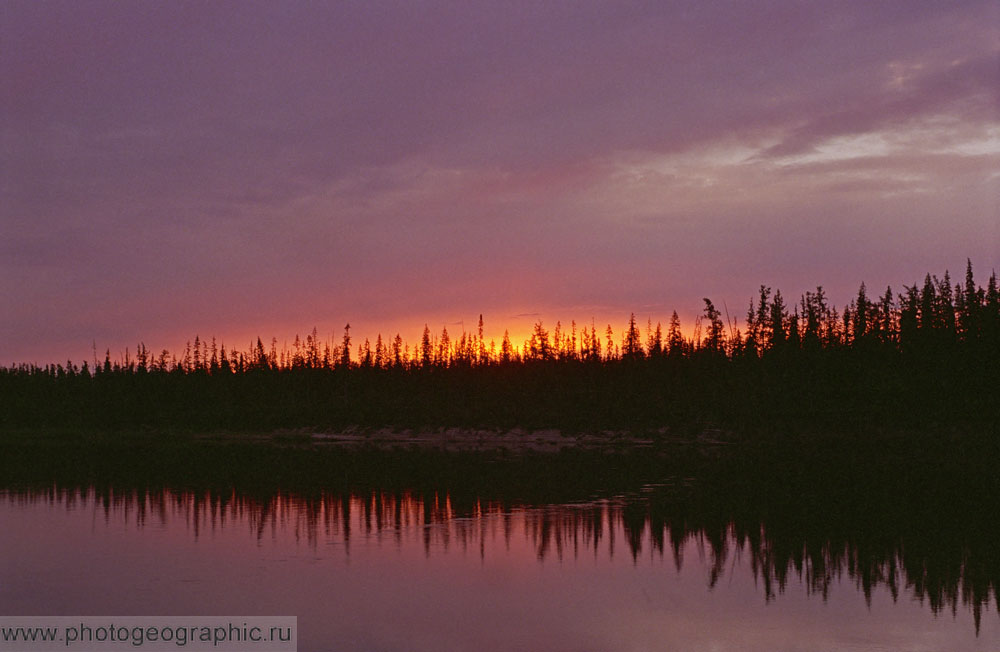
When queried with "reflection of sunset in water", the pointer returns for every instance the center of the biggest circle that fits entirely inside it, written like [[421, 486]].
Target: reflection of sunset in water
[[721, 561]]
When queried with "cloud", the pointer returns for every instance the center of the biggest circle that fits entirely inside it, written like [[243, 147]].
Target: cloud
[[965, 89]]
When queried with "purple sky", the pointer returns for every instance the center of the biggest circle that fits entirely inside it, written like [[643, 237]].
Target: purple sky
[[234, 169]]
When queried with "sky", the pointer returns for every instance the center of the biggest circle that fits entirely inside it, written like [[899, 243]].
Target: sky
[[230, 170]]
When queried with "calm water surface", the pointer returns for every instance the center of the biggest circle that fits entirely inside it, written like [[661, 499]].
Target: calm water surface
[[422, 570]]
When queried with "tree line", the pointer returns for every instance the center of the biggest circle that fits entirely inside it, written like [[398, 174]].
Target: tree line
[[932, 347]]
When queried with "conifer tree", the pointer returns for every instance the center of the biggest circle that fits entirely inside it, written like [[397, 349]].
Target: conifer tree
[[778, 318], [945, 309], [213, 363], [365, 355], [926, 313], [142, 357], [312, 348], [381, 355], [595, 343], [538, 345], [397, 351], [887, 322], [990, 313], [481, 348], [571, 348], [759, 324], [675, 340], [426, 349], [794, 337], [753, 344], [861, 316], [632, 343], [969, 306], [654, 341], [715, 335], [443, 357], [345, 348], [909, 317], [506, 349]]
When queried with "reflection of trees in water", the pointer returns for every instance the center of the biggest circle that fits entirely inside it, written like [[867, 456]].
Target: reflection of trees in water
[[945, 568]]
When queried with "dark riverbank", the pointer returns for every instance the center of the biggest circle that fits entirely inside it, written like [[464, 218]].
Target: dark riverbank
[[501, 463]]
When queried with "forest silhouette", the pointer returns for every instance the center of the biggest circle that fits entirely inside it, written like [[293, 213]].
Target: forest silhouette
[[928, 356]]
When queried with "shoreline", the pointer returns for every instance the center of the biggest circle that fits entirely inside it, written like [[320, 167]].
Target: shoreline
[[707, 440], [442, 439]]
